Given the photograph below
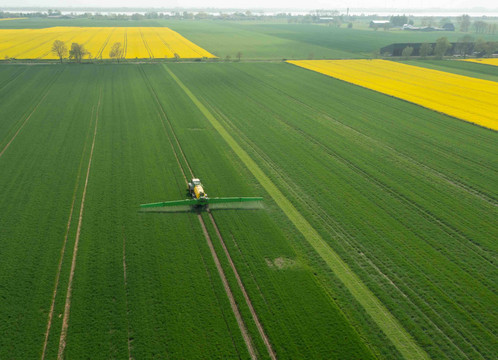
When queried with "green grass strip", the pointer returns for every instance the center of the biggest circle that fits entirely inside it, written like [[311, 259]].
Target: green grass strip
[[405, 344]]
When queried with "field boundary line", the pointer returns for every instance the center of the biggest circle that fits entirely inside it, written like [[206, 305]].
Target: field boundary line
[[231, 298], [67, 306], [31, 114], [400, 338], [63, 250], [261, 330]]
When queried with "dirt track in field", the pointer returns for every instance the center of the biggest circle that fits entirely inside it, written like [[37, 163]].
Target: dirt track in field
[[67, 306], [233, 304], [261, 331], [125, 280], [63, 250]]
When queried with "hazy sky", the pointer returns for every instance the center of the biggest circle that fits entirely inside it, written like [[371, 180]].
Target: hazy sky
[[246, 4]]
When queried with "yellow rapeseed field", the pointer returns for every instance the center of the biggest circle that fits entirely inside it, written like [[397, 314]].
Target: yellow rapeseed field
[[21, 18], [466, 98], [137, 42], [484, 61]]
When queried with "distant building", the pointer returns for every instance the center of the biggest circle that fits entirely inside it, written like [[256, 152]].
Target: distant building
[[421, 28], [449, 27], [378, 23]]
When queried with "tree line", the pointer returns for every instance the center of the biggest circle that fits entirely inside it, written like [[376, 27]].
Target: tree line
[[77, 51], [464, 47]]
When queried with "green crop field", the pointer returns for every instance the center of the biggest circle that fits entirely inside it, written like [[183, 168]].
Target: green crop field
[[377, 238]]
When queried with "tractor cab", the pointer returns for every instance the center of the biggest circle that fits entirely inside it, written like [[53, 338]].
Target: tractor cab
[[196, 190]]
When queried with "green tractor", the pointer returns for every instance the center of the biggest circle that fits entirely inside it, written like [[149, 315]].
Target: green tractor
[[200, 201]]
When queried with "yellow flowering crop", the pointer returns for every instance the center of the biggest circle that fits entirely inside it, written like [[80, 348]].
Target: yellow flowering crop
[[466, 98], [21, 18], [493, 61], [137, 42]]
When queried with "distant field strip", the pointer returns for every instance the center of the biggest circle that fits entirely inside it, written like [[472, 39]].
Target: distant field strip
[[401, 339], [466, 98], [20, 18], [484, 61], [137, 42]]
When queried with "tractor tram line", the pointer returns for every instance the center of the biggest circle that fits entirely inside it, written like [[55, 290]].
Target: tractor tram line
[[180, 155]]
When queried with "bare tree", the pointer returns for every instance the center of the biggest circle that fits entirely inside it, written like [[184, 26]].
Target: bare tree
[[116, 51], [239, 55], [59, 48], [77, 52]]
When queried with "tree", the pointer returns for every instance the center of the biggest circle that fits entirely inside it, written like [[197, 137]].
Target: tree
[[425, 50], [480, 47], [444, 20], [77, 52], [427, 21], [407, 52], [398, 20], [442, 47], [239, 55], [465, 45], [480, 26], [59, 48], [116, 51], [490, 48], [464, 22]]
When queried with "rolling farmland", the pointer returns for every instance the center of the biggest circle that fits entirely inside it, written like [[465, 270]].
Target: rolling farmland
[[376, 240], [465, 98], [261, 40], [356, 220], [138, 42]]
